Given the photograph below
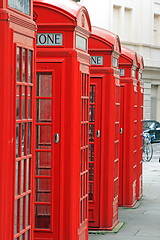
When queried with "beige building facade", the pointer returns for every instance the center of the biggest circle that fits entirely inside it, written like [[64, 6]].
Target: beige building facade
[[137, 22]]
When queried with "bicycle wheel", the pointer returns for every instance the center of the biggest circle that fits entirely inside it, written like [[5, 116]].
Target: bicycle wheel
[[147, 152]]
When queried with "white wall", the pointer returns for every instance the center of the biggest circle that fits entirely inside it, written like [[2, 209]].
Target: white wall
[[137, 22]]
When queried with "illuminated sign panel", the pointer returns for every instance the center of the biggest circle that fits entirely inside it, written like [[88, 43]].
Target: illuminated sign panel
[[96, 60], [49, 39], [23, 6], [122, 72], [81, 42], [114, 62]]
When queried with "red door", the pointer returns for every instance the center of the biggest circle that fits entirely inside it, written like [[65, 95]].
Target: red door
[[47, 150], [121, 163], [94, 151]]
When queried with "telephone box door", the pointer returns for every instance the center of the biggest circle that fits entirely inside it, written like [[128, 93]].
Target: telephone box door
[[47, 150], [121, 162], [94, 151]]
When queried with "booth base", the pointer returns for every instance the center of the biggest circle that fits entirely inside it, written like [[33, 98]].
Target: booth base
[[114, 230], [136, 205]]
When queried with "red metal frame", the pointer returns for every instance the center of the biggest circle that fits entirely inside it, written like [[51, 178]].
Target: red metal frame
[[47, 122], [6, 128], [129, 124], [71, 22], [24, 157], [18, 33], [104, 48], [140, 88]]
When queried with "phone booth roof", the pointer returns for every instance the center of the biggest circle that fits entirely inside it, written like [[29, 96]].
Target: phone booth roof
[[107, 38], [128, 57], [65, 12]]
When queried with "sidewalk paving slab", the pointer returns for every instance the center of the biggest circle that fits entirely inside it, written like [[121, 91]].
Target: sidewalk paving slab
[[143, 221]]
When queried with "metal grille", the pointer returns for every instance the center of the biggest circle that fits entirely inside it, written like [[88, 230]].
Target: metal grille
[[24, 85], [84, 148]]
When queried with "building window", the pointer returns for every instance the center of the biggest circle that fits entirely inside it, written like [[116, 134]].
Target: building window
[[116, 19], [156, 29], [128, 23]]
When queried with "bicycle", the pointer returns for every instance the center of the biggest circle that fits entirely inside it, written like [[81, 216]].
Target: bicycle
[[147, 147]]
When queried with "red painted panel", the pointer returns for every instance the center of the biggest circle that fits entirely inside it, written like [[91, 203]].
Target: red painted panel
[[104, 48], [47, 150], [17, 124], [129, 121], [121, 152], [94, 151], [139, 188], [72, 23]]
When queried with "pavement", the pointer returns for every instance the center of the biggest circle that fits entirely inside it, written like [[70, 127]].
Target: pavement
[[143, 222]]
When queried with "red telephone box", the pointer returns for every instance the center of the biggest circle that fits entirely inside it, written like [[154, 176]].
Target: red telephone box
[[17, 44], [104, 48], [140, 89], [62, 120], [128, 126]]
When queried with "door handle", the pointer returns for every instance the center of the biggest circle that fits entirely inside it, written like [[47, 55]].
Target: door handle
[[98, 133], [121, 130], [56, 137]]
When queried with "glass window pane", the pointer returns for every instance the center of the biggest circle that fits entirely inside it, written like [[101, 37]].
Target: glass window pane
[[43, 190], [21, 5], [23, 139], [44, 137], [23, 102], [27, 210], [91, 186], [91, 152], [27, 235], [29, 138], [91, 171], [15, 216], [29, 102], [18, 102], [44, 84], [92, 113], [17, 187], [18, 64], [22, 176], [21, 213], [43, 185], [43, 161], [43, 197], [92, 94], [44, 110], [91, 133], [30, 66], [42, 216], [24, 65], [17, 139], [22, 237], [28, 167]]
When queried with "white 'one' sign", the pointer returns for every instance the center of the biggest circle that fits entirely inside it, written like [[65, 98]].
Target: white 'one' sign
[[49, 39], [96, 60]]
